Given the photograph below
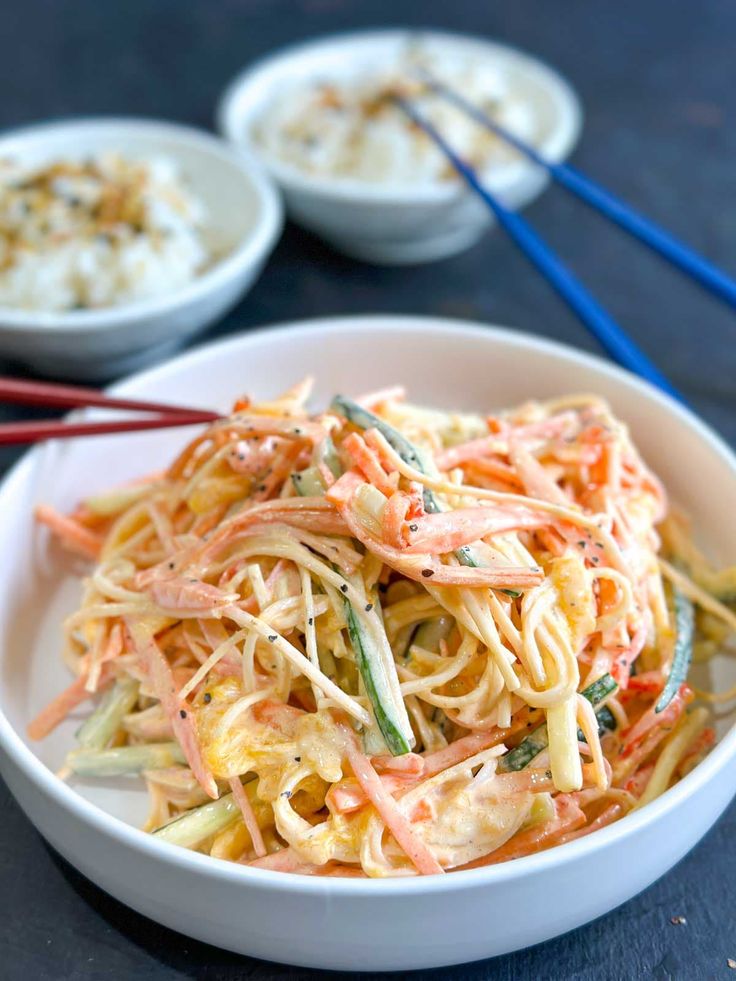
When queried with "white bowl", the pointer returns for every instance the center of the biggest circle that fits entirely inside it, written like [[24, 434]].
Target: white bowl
[[399, 224], [348, 924], [245, 218]]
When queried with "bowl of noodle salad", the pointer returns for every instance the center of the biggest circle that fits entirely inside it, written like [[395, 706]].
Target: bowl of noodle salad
[[397, 633]]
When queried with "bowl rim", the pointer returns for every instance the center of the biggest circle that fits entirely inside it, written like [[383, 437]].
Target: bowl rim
[[257, 241], [46, 782], [558, 145]]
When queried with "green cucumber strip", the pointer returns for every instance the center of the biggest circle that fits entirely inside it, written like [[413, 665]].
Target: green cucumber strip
[[599, 689], [537, 740], [308, 483], [328, 456], [124, 760], [97, 731], [194, 826], [368, 662], [683, 653], [522, 755], [370, 670]]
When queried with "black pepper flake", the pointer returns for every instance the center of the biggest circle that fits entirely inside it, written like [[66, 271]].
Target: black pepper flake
[[548, 774], [182, 713], [595, 559], [297, 477], [368, 607], [344, 588], [297, 431], [241, 456], [413, 527], [171, 565], [286, 794], [272, 638], [427, 573], [207, 698], [261, 487], [310, 621], [581, 544], [297, 759]]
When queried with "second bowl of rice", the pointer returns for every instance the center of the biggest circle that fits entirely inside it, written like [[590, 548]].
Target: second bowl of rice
[[356, 171]]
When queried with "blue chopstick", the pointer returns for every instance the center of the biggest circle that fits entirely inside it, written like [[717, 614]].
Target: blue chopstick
[[660, 241], [595, 318]]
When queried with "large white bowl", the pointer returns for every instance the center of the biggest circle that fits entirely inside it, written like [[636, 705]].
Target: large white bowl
[[245, 217], [399, 224], [343, 923]]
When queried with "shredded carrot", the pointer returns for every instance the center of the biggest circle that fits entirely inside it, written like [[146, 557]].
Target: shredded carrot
[[249, 817], [73, 534]]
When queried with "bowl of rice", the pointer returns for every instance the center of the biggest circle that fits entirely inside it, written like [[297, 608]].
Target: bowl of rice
[[122, 238], [356, 171]]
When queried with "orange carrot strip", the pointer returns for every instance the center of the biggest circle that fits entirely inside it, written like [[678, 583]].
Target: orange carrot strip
[[64, 703], [177, 709], [651, 718], [422, 568], [249, 817], [72, 534], [399, 826], [394, 514], [366, 460]]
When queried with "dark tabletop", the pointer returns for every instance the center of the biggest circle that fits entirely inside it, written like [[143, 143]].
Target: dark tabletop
[[657, 82]]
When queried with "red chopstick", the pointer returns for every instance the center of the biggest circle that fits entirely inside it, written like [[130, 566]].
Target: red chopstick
[[34, 432], [70, 396], [51, 395]]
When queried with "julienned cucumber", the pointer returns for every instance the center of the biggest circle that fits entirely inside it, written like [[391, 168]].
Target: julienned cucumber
[[683, 653], [368, 659], [381, 700], [537, 740], [409, 454]]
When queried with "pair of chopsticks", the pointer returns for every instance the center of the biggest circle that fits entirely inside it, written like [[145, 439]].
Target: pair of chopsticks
[[594, 317], [50, 395]]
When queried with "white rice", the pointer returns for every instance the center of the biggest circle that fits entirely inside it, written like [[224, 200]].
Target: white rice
[[346, 128], [96, 233]]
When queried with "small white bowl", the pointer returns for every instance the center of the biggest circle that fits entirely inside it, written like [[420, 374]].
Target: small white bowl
[[346, 924], [399, 224], [245, 218]]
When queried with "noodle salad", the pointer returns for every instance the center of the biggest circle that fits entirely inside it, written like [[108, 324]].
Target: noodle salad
[[386, 640]]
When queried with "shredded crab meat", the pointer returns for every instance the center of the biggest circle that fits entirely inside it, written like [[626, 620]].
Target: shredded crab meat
[[385, 640]]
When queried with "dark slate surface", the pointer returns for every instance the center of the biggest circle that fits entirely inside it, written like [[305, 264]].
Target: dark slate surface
[[657, 82]]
